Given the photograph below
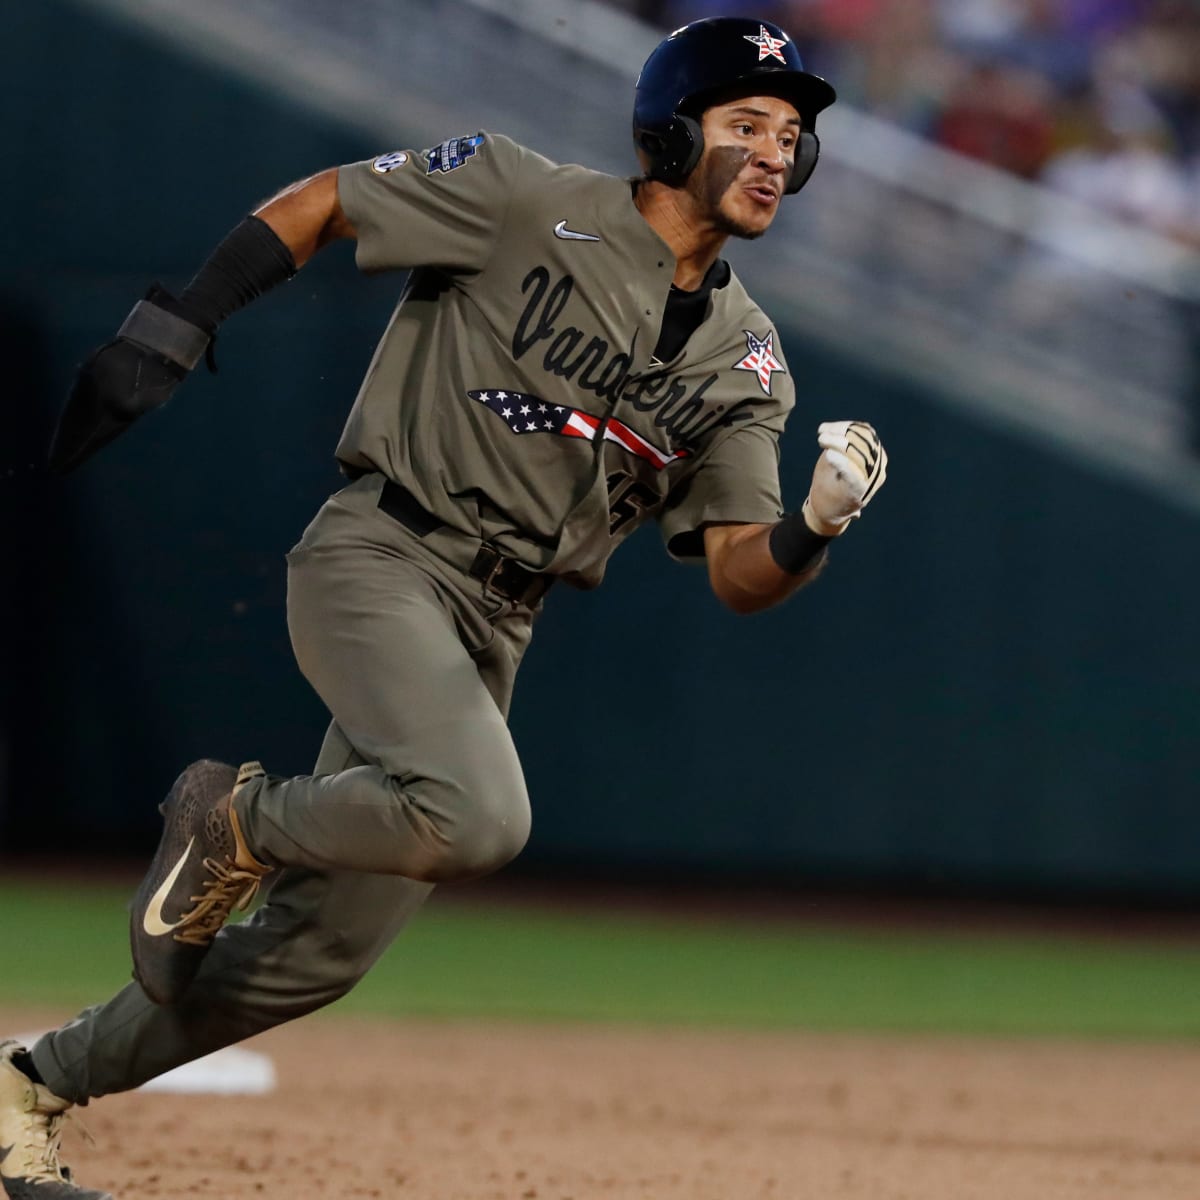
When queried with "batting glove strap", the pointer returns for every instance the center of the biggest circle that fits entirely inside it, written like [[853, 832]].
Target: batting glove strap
[[153, 326], [794, 546]]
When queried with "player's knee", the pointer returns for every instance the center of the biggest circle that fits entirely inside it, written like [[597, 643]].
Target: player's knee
[[483, 838]]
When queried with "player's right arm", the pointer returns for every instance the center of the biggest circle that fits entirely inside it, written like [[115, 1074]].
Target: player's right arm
[[164, 337], [307, 215], [403, 209]]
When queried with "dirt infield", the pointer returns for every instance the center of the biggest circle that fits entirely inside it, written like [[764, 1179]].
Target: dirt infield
[[446, 1111]]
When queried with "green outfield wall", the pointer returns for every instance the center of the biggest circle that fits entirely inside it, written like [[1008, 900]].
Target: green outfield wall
[[995, 685]]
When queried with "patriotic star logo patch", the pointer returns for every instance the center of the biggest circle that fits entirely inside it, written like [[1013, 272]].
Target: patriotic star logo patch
[[760, 358], [524, 413], [768, 46]]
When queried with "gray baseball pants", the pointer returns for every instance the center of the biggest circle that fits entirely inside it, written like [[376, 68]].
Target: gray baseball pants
[[417, 783]]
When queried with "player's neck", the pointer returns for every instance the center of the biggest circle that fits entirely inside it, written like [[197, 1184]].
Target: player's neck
[[695, 241]]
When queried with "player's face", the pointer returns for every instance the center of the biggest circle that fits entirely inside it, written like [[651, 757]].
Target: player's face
[[749, 147]]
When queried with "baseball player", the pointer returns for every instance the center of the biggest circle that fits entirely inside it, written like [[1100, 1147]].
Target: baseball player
[[570, 359]]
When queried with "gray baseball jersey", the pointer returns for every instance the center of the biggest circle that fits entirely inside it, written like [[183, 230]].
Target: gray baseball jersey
[[515, 392]]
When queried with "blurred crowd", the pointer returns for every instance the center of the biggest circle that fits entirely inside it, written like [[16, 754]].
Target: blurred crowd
[[1099, 99]]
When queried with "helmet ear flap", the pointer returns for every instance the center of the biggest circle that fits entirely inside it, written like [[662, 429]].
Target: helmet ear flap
[[678, 150], [674, 154], [808, 150]]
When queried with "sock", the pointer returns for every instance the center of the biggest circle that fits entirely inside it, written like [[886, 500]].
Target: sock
[[23, 1061]]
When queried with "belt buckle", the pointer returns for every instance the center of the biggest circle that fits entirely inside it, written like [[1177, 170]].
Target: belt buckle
[[489, 562]]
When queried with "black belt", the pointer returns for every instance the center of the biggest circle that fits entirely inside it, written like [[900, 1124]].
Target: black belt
[[504, 576]]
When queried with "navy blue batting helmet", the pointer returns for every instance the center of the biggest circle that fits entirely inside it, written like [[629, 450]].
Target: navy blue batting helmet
[[711, 62]]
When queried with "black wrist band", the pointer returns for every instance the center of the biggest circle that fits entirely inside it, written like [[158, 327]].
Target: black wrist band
[[248, 262], [160, 323], [794, 547]]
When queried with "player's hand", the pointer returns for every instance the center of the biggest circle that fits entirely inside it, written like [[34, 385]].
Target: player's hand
[[126, 378], [114, 386], [851, 469]]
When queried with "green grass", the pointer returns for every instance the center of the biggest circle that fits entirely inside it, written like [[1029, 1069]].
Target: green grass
[[65, 945]]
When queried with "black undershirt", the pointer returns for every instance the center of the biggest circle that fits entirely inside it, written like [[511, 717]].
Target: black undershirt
[[685, 311]]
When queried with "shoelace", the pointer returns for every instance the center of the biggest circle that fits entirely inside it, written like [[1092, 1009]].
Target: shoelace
[[231, 887], [44, 1144]]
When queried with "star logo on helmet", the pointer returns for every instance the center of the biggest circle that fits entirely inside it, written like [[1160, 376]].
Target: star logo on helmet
[[768, 46], [760, 358]]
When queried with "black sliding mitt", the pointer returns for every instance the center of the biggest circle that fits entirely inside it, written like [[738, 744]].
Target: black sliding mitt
[[159, 343]]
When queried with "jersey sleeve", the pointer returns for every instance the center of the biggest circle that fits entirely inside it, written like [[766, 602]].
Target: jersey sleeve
[[737, 482], [442, 207]]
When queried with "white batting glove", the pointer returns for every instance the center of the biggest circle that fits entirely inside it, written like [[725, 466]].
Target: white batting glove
[[851, 469]]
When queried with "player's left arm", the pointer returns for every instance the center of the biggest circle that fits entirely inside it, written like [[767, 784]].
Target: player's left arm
[[752, 567], [742, 572]]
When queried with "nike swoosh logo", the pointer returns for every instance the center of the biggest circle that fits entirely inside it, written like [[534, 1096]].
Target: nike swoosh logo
[[561, 230], [152, 921]]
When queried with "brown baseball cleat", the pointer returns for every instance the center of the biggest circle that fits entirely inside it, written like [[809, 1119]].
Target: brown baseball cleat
[[31, 1120], [201, 872]]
